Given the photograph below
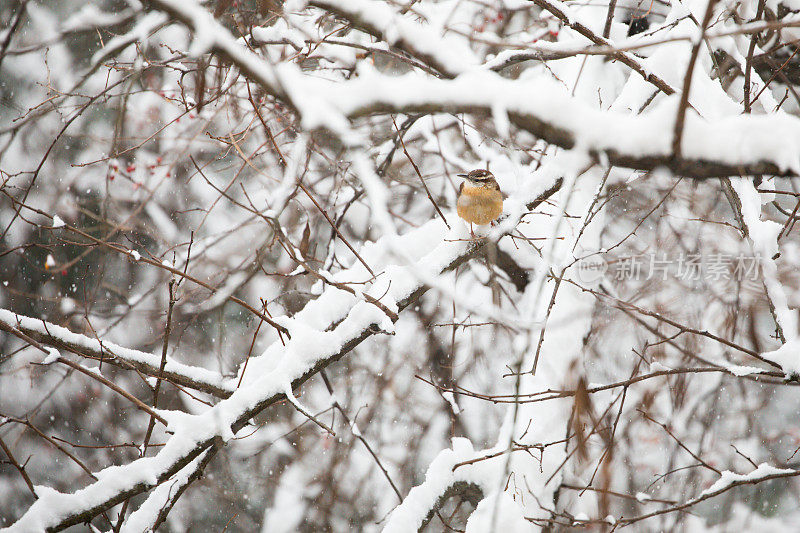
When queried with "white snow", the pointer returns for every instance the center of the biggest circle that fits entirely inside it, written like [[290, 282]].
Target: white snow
[[142, 520], [452, 55], [451, 399], [733, 139], [728, 478], [409, 515], [404, 262], [52, 357], [499, 512], [655, 366], [764, 237], [741, 370], [788, 356], [197, 374], [279, 32]]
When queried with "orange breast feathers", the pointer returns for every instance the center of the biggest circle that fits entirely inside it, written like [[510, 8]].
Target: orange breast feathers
[[479, 205]]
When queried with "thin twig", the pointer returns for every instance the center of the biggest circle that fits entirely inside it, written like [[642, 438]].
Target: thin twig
[[52, 440], [748, 67], [359, 436], [612, 4], [125, 394], [335, 228], [421, 179], [299, 408], [622, 57], [11, 30], [679, 443], [677, 136], [19, 467]]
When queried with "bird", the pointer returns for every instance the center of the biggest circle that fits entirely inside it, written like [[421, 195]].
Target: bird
[[480, 200]]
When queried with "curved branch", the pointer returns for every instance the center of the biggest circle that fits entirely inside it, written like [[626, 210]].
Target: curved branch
[[728, 481], [152, 513], [634, 142], [195, 434], [742, 145], [358, 320], [465, 490], [623, 57], [449, 57], [61, 338]]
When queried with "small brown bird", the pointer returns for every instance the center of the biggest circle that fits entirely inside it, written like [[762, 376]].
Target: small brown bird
[[479, 198]]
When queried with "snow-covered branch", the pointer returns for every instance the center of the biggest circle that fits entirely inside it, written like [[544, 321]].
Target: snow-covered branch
[[324, 332], [727, 481], [298, 174], [108, 352], [731, 146], [449, 56]]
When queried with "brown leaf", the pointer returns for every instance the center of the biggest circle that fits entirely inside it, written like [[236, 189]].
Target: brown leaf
[[581, 414], [304, 241]]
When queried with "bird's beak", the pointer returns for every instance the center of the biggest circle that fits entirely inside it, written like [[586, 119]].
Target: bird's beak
[[462, 175]]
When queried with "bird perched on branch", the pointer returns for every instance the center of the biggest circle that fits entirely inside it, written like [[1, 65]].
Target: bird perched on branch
[[479, 198]]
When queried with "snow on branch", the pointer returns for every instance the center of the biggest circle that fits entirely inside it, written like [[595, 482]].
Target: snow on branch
[[190, 376], [565, 15], [447, 55], [442, 481], [726, 481], [729, 146], [326, 330], [347, 68], [764, 235], [141, 31], [154, 510], [211, 36]]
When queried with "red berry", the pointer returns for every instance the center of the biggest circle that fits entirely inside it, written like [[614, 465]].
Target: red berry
[[130, 168]]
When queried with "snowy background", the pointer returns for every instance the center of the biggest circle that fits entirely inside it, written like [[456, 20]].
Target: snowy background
[[236, 295]]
